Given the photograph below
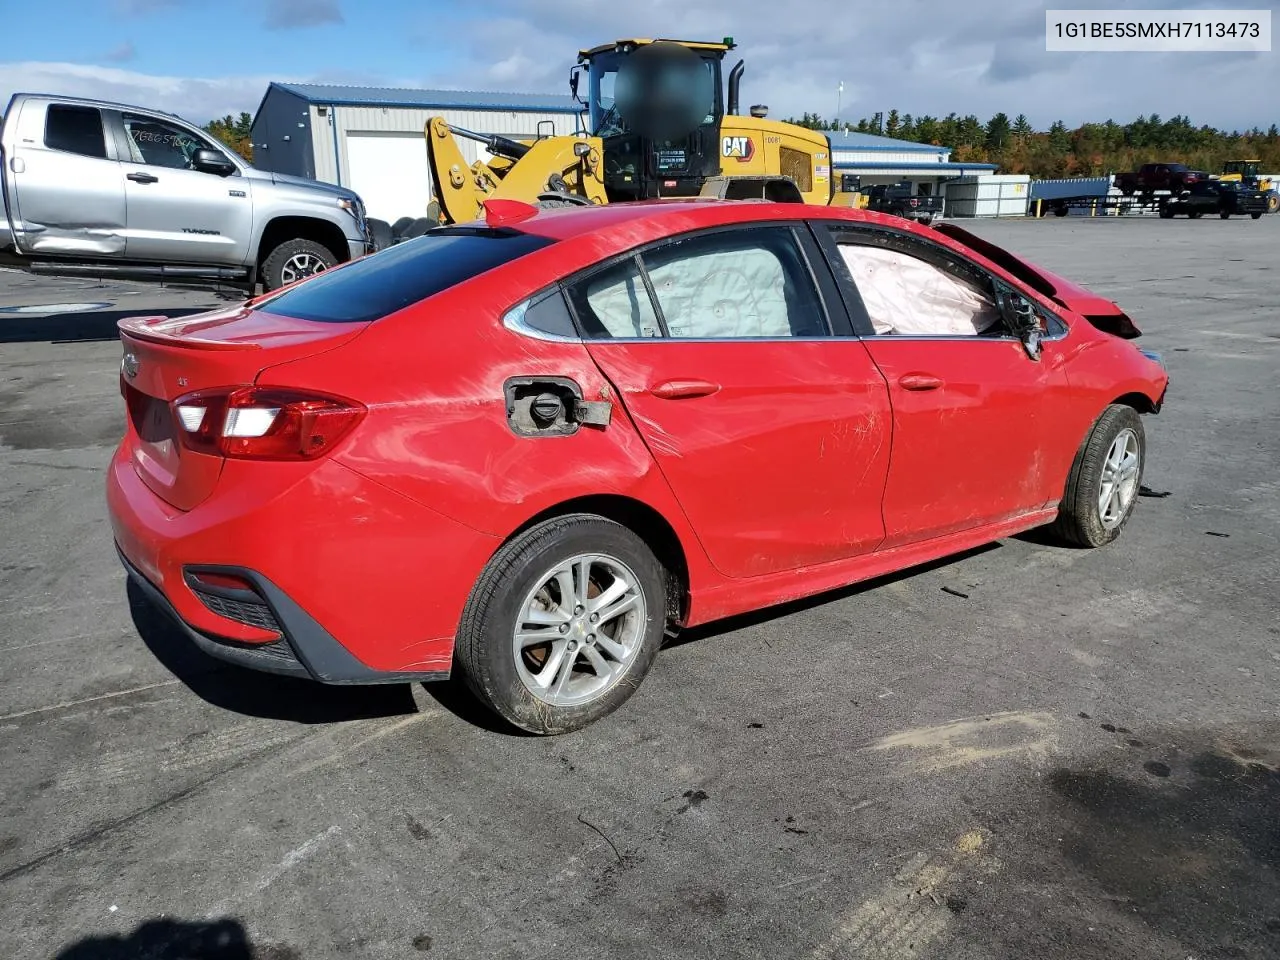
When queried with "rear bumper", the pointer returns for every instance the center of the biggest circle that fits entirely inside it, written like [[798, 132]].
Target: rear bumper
[[304, 649], [362, 585]]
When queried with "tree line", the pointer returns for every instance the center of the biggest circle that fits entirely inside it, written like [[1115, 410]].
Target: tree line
[[1092, 149], [234, 132]]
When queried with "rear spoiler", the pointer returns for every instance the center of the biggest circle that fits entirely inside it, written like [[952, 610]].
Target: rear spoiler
[[1099, 311], [156, 329]]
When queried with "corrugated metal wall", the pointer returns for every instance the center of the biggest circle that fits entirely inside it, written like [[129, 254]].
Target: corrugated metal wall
[[330, 131], [913, 157]]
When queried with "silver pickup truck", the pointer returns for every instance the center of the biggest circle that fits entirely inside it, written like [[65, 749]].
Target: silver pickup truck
[[93, 187]]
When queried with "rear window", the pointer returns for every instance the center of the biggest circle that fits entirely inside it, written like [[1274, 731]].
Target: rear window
[[399, 276]]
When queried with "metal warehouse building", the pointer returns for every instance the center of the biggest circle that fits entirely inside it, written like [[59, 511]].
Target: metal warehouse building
[[874, 159], [371, 138]]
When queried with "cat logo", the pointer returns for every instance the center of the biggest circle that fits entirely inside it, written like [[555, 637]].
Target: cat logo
[[741, 149]]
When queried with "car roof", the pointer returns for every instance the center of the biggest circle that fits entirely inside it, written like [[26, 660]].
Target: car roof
[[643, 221]]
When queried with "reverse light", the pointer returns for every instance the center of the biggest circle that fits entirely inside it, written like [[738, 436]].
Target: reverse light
[[253, 423]]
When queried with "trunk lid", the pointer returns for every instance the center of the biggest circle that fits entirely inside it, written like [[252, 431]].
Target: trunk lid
[[169, 358], [1099, 311]]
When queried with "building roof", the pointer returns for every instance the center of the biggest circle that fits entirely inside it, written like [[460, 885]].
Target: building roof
[[925, 167], [852, 140], [341, 94]]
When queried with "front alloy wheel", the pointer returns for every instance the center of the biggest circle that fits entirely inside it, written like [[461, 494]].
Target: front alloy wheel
[[1102, 488], [1119, 484]]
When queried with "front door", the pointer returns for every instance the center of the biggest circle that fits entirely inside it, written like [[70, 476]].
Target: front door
[[772, 433], [972, 412], [176, 214], [66, 182]]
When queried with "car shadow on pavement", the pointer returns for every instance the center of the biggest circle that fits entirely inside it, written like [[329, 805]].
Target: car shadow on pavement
[[79, 327], [757, 617], [159, 939], [255, 694]]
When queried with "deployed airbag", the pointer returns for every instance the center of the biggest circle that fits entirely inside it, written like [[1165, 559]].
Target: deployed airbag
[[906, 296]]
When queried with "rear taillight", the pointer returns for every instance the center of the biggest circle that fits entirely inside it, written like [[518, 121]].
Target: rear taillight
[[253, 423]]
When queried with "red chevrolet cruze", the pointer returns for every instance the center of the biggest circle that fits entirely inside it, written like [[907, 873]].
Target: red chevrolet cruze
[[533, 445]]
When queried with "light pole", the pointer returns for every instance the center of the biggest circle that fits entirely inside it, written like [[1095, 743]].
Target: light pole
[[839, 97]]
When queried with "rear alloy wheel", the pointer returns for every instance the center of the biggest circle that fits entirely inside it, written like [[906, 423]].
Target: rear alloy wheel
[[1102, 488], [295, 260], [563, 624]]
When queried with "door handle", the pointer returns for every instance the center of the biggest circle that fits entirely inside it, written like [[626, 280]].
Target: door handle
[[919, 381], [142, 178], [683, 389]]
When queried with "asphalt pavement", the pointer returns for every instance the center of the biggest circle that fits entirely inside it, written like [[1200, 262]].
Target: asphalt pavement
[[1024, 752]]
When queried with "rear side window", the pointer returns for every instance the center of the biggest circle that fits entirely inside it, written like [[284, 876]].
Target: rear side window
[[75, 130], [402, 275]]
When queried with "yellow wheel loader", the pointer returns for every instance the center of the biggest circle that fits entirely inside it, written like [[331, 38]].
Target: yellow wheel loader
[[662, 124], [1246, 171]]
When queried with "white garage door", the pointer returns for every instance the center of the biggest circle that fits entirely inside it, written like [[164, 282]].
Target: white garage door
[[390, 172]]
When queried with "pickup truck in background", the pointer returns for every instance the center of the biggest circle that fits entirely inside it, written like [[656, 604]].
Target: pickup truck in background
[[1150, 177], [93, 187], [899, 200]]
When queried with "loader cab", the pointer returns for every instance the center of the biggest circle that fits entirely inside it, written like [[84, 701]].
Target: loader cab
[[657, 107], [1245, 170]]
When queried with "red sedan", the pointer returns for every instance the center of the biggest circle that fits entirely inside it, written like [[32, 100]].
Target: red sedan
[[534, 445]]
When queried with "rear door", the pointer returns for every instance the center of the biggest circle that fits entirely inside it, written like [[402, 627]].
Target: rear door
[[973, 415], [67, 195], [772, 432], [176, 214]]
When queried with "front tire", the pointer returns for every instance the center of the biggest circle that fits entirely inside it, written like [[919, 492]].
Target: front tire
[[563, 624], [1225, 214], [295, 260], [1256, 216], [1102, 488]]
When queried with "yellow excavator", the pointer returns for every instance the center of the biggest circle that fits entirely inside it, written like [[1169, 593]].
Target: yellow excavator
[[1246, 171], [661, 124]]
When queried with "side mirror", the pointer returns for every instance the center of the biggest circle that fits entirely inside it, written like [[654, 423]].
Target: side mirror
[[573, 82], [211, 161], [1022, 319]]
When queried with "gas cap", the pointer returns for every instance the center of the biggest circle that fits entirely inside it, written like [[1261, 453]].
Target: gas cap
[[546, 407]]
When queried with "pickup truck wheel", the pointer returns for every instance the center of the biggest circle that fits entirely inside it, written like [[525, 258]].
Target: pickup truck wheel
[[1256, 216], [1224, 214], [1102, 487], [1273, 203], [1166, 213], [295, 260]]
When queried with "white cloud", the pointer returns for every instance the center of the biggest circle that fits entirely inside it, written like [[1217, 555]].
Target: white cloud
[[197, 100]]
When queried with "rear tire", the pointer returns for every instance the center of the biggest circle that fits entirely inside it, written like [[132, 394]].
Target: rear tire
[[1166, 213], [533, 587], [1256, 216], [1225, 215], [1102, 488], [295, 260]]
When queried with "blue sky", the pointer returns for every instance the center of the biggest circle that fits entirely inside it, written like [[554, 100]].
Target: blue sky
[[203, 59]]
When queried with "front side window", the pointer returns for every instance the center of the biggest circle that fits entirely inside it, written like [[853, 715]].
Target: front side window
[[160, 144], [402, 275], [905, 295], [75, 130]]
